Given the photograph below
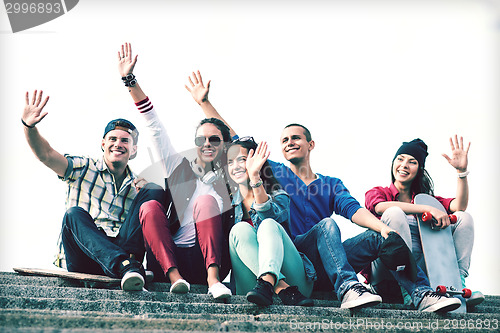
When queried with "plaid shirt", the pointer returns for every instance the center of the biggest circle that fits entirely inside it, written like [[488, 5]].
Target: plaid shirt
[[92, 187]]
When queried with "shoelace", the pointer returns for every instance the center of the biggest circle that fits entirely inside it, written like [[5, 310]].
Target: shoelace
[[360, 289], [433, 294]]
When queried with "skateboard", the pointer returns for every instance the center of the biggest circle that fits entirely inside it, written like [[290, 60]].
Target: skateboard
[[439, 253], [87, 280]]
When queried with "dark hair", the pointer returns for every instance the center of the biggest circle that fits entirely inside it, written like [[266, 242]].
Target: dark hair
[[222, 161], [226, 138], [266, 172], [307, 133], [226, 135], [421, 184]]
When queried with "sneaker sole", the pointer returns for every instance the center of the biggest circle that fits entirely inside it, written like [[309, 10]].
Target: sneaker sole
[[222, 296], [134, 282], [258, 299], [359, 304], [452, 304], [179, 288]]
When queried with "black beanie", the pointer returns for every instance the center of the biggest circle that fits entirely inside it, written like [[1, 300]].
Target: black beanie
[[416, 148]]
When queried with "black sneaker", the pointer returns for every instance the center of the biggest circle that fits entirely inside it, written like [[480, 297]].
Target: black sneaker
[[262, 293], [292, 296], [132, 274]]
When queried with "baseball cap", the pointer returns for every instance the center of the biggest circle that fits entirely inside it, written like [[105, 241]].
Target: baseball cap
[[396, 256], [124, 125]]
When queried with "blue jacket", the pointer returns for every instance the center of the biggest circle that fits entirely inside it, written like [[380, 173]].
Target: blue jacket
[[277, 207]]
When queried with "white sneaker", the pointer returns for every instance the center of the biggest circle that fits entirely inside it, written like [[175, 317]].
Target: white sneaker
[[180, 286], [434, 302], [219, 291], [359, 297], [132, 281]]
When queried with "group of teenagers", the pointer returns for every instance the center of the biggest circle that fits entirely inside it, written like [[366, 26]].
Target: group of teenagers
[[232, 209]]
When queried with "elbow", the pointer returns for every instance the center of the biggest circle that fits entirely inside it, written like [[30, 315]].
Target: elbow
[[43, 157], [379, 209]]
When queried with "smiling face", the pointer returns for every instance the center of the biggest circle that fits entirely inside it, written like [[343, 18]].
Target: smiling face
[[209, 150], [236, 164], [404, 169], [294, 144], [118, 147]]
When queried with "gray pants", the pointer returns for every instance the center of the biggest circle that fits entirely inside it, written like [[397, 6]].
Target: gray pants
[[462, 231]]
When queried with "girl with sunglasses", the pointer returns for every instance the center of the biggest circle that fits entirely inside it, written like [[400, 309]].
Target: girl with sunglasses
[[187, 238], [260, 245]]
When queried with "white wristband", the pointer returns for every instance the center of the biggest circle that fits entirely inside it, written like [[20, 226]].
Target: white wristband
[[463, 174]]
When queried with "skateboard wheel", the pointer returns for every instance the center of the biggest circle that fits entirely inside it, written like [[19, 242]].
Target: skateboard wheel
[[426, 216], [441, 290], [467, 293], [453, 219]]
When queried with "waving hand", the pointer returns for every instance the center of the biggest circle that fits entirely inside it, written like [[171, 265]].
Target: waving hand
[[458, 158]]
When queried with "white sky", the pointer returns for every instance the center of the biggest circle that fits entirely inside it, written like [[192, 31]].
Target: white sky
[[362, 75]]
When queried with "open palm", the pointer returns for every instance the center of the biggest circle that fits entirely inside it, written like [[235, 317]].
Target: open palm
[[126, 62], [197, 88], [33, 111], [458, 158]]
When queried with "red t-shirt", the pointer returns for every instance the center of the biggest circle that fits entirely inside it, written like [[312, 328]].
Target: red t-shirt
[[381, 194]]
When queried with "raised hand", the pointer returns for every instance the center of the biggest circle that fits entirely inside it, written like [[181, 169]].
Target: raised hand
[[256, 159], [458, 158], [197, 89], [126, 62], [33, 111]]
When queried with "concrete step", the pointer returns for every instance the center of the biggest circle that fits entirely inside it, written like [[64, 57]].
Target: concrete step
[[36, 304], [79, 322], [491, 305]]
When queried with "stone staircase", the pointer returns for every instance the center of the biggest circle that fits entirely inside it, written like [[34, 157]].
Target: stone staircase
[[44, 304]]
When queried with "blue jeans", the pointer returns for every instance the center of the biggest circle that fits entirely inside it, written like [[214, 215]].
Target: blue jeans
[[89, 250], [337, 263]]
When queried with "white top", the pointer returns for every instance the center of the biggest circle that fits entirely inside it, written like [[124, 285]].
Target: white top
[[170, 159]]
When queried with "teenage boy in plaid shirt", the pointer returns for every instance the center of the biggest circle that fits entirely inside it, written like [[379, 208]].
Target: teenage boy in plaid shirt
[[101, 230]]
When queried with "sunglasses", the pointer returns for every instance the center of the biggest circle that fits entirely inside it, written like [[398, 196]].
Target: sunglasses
[[214, 140], [245, 139]]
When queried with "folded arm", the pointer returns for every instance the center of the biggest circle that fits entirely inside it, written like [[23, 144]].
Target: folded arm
[[441, 217]]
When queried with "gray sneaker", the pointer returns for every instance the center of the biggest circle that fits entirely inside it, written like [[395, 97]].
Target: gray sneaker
[[359, 297], [434, 302]]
